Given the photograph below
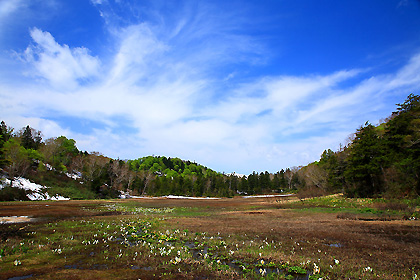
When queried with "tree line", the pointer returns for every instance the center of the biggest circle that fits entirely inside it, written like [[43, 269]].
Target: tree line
[[382, 160], [53, 161], [378, 160]]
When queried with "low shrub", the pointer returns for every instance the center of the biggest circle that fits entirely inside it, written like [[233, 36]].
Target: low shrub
[[10, 194]]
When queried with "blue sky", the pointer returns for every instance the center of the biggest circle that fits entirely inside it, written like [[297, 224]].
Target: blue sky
[[235, 85]]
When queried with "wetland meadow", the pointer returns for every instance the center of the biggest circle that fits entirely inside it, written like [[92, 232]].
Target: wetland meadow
[[237, 238]]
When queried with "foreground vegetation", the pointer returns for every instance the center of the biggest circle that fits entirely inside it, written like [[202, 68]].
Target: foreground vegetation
[[271, 238]]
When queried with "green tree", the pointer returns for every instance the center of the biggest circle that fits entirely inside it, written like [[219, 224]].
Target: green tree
[[365, 163], [6, 133], [17, 159], [402, 141], [59, 152], [30, 138], [334, 164]]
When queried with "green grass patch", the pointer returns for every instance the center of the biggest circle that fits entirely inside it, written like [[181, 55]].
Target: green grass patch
[[381, 208]]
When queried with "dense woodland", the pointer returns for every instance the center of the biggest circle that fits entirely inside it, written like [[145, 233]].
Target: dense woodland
[[382, 160]]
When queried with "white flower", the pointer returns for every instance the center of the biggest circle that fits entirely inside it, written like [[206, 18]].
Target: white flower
[[316, 269], [262, 262], [17, 262], [336, 261], [368, 269], [263, 271]]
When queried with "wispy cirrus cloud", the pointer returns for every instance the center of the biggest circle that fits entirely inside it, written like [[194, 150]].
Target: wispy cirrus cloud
[[7, 7]]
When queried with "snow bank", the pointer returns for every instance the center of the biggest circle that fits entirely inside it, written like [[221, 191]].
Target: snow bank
[[187, 197], [267, 195], [125, 195], [37, 192]]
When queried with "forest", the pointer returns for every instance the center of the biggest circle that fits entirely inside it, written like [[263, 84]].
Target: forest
[[380, 160]]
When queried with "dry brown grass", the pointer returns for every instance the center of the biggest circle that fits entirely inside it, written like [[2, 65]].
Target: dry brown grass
[[385, 245], [392, 247]]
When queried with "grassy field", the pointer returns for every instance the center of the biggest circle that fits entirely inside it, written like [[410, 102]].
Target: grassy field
[[238, 238]]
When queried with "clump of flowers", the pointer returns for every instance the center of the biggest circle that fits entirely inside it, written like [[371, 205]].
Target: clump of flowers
[[177, 260], [368, 269], [316, 269], [263, 271]]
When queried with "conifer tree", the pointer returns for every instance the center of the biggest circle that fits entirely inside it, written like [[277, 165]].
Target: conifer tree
[[365, 163]]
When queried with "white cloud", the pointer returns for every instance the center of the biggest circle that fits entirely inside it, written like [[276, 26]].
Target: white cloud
[[62, 66], [7, 7], [97, 2]]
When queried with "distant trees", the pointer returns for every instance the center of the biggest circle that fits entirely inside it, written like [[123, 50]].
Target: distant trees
[[378, 160]]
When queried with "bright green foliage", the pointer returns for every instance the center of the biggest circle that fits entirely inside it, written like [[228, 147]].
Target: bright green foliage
[[172, 166], [16, 157], [34, 155], [59, 152]]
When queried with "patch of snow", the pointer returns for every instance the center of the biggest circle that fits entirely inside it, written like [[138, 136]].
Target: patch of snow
[[74, 176], [187, 197], [37, 191], [49, 167], [24, 184], [59, 197], [124, 195], [15, 219], [268, 195], [237, 175]]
